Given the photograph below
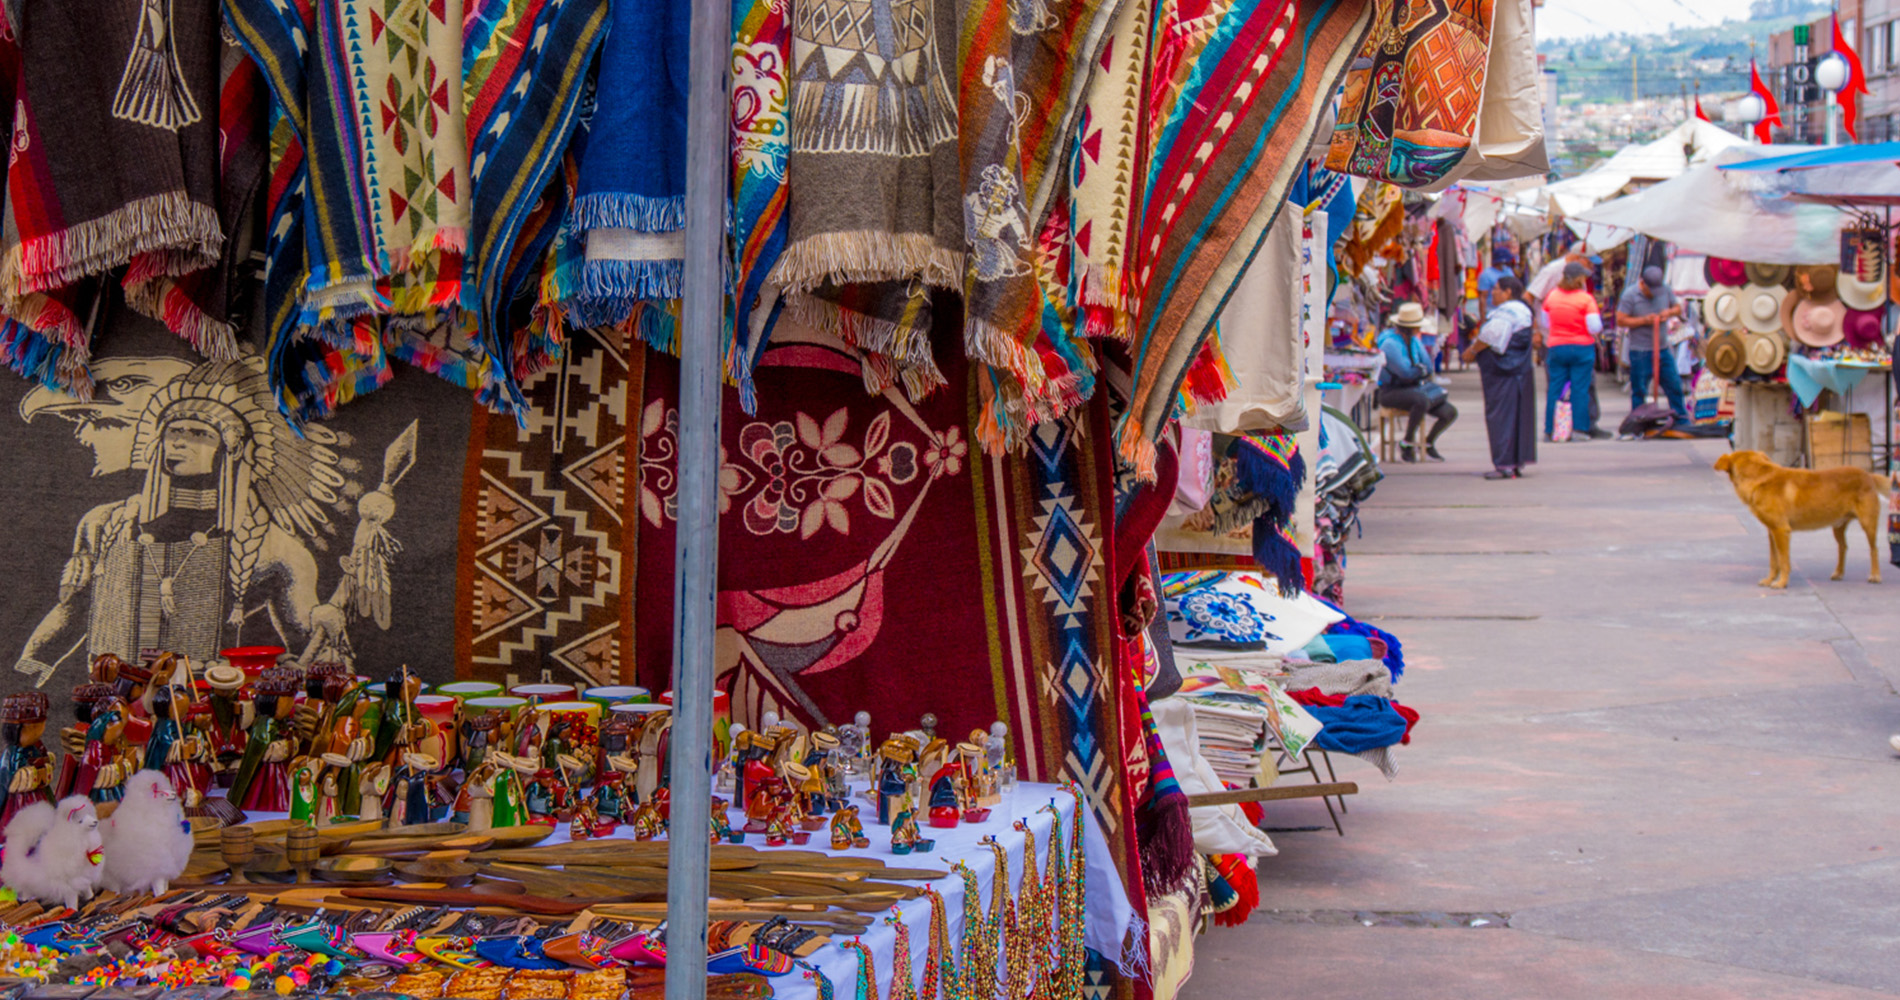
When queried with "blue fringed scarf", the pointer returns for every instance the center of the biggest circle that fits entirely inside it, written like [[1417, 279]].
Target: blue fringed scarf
[[1269, 468], [630, 204]]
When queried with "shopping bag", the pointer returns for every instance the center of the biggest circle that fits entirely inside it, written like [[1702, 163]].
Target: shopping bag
[[1564, 425]]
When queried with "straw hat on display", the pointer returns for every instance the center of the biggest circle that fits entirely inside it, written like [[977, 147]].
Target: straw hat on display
[[1861, 327], [1815, 322], [1722, 310], [1817, 280], [1722, 271], [1409, 314], [1726, 355], [1766, 353], [1860, 294], [1761, 307], [1767, 274]]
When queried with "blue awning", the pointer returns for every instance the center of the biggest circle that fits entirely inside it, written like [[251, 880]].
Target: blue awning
[[1830, 156]]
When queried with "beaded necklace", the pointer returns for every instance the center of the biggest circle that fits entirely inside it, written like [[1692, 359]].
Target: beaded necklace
[[823, 981], [969, 951], [867, 973], [902, 986], [939, 964]]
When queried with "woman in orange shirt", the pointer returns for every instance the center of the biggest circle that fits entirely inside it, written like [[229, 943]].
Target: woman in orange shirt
[[1571, 316]]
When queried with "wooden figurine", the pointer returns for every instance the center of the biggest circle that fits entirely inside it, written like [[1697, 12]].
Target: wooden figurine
[[945, 803], [338, 772], [905, 836], [813, 791], [102, 762], [228, 712], [401, 726], [722, 826], [977, 793], [544, 796], [581, 827], [656, 740], [416, 791], [475, 801], [847, 831], [793, 804], [263, 778], [896, 767], [510, 798], [178, 746], [372, 783], [480, 734], [649, 820], [26, 769], [610, 796], [303, 790]]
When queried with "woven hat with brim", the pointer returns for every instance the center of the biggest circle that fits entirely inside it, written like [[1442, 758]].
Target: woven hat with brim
[[224, 677], [1766, 353], [1722, 310], [1761, 307], [1817, 279], [1860, 294], [1726, 355], [1722, 271], [1816, 322], [1862, 327], [1767, 274], [1410, 314]]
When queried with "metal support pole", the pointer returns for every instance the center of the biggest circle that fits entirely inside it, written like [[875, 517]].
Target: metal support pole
[[1833, 108], [696, 550]]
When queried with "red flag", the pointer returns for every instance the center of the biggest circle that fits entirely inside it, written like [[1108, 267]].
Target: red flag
[[1699, 113], [1856, 82], [1771, 113]]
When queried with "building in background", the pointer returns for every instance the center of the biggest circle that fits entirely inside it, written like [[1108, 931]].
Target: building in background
[[1792, 54]]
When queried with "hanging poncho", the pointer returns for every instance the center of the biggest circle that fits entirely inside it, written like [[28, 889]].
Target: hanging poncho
[[115, 162], [1234, 96], [1410, 110]]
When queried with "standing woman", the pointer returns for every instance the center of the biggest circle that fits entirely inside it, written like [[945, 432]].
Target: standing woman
[[1502, 350], [1571, 316]]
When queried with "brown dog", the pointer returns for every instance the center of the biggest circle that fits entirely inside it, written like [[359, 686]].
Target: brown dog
[[1788, 500]]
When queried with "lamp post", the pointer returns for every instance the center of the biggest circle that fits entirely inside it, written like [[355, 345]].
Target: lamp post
[[1830, 74], [1749, 110]]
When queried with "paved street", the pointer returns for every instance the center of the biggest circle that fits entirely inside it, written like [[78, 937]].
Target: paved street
[[1649, 776]]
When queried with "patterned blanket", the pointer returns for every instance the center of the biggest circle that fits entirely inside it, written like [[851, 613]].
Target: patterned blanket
[[1410, 110]]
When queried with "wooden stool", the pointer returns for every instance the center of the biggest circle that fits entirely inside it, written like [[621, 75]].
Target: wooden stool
[[1390, 420]]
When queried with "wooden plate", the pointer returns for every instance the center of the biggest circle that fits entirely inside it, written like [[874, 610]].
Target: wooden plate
[[352, 868], [518, 836], [454, 874]]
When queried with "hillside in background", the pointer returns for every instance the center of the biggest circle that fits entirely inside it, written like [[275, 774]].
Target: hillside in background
[[1596, 70]]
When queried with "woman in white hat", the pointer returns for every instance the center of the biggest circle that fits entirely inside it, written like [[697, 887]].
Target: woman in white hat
[[1406, 382]]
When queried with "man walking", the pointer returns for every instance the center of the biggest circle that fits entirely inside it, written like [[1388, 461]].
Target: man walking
[[1641, 311]]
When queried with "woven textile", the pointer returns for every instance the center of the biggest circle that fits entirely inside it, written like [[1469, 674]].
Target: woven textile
[[1410, 113], [1234, 96], [630, 202], [524, 66], [761, 145], [875, 190], [1106, 160], [858, 529], [114, 162], [1023, 67]]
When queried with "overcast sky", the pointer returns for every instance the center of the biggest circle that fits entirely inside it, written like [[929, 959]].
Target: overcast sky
[[1579, 18]]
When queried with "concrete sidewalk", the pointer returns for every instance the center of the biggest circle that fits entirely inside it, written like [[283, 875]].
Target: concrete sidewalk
[[1645, 775]]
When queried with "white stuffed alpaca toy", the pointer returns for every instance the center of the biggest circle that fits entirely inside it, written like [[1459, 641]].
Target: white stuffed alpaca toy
[[53, 853], [147, 839]]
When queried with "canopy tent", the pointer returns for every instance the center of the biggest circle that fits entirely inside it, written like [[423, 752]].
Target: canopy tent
[[1665, 157], [1825, 156], [1740, 215]]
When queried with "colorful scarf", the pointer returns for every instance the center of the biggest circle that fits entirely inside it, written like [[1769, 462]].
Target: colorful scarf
[[1410, 109], [98, 182], [1162, 824], [761, 144], [1023, 69], [630, 202], [524, 65], [875, 186], [1235, 95], [1107, 159]]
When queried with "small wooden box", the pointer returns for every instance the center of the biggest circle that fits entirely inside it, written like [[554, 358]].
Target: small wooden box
[[1841, 439]]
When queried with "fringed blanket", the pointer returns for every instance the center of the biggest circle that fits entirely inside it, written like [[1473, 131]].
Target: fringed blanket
[[761, 145], [1108, 156], [876, 191], [115, 162], [524, 66], [1410, 111], [630, 205], [1238, 93], [1023, 67]]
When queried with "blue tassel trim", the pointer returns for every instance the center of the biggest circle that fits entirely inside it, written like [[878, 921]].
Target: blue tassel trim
[[1264, 476], [1278, 556], [633, 279], [638, 212]]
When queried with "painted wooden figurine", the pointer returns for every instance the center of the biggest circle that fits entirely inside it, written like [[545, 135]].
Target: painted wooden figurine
[[417, 793], [977, 794], [178, 746], [510, 801], [228, 713], [303, 790], [905, 835], [475, 800], [896, 760], [263, 778], [945, 802], [337, 771], [372, 783], [721, 825], [26, 769], [847, 831], [103, 761], [815, 795], [610, 796]]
